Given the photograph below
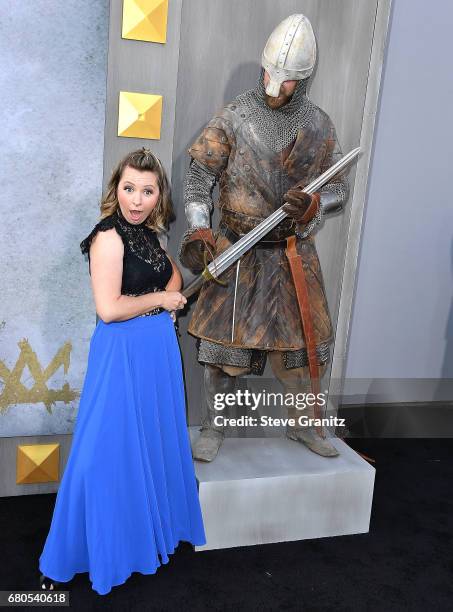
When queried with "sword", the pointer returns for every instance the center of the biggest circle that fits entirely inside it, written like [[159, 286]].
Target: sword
[[231, 255]]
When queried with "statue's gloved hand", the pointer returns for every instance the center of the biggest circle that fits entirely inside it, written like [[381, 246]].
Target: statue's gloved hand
[[197, 249], [300, 205]]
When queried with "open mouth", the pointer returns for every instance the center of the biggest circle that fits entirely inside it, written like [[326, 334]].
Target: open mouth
[[136, 214]]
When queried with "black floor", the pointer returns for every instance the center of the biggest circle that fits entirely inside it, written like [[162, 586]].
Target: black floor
[[404, 563]]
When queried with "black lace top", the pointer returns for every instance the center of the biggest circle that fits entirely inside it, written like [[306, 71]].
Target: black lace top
[[146, 267]]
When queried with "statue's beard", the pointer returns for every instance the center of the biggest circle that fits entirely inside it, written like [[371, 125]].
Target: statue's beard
[[275, 103]]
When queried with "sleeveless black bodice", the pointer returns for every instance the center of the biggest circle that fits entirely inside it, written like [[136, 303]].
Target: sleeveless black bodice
[[146, 267]]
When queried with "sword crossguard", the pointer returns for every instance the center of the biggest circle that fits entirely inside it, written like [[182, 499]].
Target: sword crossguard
[[206, 274]]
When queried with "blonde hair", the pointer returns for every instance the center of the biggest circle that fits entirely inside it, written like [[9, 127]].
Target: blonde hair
[[142, 160]]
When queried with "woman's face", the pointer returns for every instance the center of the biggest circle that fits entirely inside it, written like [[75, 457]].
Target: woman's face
[[138, 194]]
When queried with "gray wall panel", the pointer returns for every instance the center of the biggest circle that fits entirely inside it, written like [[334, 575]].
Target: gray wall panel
[[52, 96], [143, 67]]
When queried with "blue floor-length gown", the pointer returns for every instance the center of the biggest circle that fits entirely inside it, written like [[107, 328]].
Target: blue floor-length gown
[[128, 493]]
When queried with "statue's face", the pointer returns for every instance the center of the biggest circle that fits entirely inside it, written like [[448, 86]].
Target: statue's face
[[286, 91]]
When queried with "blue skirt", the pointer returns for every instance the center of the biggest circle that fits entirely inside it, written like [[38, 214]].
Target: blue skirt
[[128, 493]]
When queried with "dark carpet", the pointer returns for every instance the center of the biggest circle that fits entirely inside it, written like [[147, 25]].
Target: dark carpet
[[405, 562]]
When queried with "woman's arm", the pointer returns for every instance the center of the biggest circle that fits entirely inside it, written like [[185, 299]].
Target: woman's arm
[[175, 282], [106, 267]]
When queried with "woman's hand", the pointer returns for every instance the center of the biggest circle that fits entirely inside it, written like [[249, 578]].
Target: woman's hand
[[172, 300]]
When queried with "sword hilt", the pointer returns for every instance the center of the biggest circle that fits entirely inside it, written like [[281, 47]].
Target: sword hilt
[[198, 282]]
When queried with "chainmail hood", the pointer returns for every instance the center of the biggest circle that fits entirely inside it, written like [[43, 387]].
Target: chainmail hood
[[277, 127]]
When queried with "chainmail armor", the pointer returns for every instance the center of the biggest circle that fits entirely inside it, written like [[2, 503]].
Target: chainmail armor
[[308, 229], [212, 352], [340, 189], [299, 359], [198, 185], [276, 127], [215, 354]]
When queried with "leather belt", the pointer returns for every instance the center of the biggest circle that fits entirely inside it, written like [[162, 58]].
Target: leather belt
[[240, 223]]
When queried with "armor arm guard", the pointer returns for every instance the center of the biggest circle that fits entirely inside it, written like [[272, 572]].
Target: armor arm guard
[[209, 154], [198, 187]]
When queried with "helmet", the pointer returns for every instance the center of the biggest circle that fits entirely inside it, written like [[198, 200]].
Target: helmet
[[290, 53]]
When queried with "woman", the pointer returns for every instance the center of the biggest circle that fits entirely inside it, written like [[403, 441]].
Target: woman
[[128, 494]]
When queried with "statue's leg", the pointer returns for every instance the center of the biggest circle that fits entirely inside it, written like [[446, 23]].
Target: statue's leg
[[297, 380], [217, 379]]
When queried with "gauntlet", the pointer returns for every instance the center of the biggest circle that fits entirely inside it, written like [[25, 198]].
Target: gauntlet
[[197, 249], [301, 206]]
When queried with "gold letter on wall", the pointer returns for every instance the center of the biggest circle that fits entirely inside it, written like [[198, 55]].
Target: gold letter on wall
[[145, 20], [139, 115]]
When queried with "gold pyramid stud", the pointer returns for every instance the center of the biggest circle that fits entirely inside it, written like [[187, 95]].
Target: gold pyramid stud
[[139, 115], [37, 463], [145, 20]]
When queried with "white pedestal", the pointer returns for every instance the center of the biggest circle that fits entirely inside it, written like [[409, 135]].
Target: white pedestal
[[263, 490]]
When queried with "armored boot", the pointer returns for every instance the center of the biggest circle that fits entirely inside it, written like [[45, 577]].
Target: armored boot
[[295, 381], [309, 435], [206, 446]]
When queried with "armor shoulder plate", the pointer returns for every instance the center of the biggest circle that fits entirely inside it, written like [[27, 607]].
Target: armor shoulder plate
[[212, 148]]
